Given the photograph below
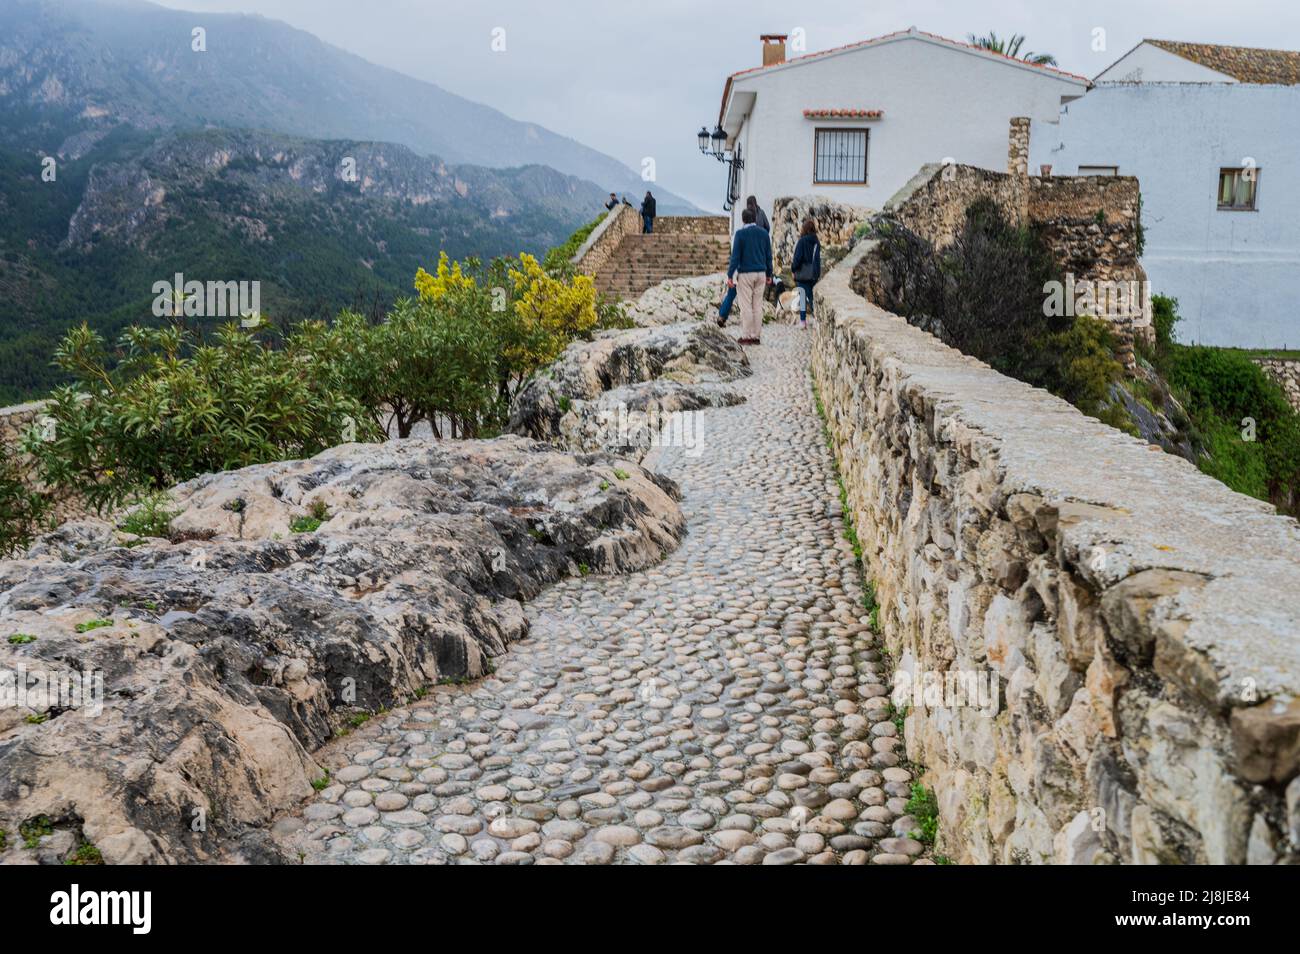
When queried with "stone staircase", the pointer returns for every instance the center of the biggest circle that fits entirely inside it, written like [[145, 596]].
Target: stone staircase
[[641, 261]]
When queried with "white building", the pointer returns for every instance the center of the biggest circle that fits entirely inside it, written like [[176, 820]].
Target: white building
[[1212, 134], [857, 122]]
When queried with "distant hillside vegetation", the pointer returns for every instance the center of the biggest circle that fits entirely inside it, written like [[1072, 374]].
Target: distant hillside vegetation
[[321, 225]]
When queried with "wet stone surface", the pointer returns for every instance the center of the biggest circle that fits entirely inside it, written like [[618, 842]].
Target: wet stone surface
[[726, 706]]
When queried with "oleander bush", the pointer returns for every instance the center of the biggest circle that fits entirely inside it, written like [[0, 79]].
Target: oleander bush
[[163, 405]]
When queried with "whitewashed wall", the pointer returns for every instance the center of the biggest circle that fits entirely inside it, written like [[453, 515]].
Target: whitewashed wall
[[938, 101], [1236, 275], [1150, 64]]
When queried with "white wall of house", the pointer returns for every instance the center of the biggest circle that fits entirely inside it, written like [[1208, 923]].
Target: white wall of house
[[938, 101], [1150, 64], [1235, 274]]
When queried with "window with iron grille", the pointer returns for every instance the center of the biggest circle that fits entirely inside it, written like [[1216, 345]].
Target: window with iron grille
[[840, 156]]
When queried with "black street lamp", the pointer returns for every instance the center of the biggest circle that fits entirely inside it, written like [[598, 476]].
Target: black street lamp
[[715, 144], [719, 142]]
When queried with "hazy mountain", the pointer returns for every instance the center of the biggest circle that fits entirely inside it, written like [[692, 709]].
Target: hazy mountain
[[319, 224], [270, 157], [90, 64]]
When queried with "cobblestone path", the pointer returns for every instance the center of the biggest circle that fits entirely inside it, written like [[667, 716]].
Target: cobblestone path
[[725, 706]]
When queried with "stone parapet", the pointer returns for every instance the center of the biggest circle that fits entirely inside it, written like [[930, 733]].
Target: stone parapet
[[604, 239], [1126, 610]]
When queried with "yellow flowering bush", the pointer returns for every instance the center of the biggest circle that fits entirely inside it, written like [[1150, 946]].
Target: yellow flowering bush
[[567, 309], [449, 280]]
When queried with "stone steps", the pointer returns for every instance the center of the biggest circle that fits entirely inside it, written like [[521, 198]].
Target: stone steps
[[641, 261]]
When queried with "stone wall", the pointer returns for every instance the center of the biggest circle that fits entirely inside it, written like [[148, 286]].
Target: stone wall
[[1123, 606], [1091, 224], [14, 423], [692, 225], [1018, 147], [15, 420], [836, 223], [604, 239], [1286, 372]]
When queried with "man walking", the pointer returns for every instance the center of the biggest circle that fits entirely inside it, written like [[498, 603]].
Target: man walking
[[648, 213], [750, 269]]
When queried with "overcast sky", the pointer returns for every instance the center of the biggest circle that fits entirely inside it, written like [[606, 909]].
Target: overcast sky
[[637, 78]]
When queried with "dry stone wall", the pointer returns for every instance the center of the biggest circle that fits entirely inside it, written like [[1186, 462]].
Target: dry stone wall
[[1286, 372], [836, 223], [1122, 608], [14, 421], [1090, 223], [692, 225]]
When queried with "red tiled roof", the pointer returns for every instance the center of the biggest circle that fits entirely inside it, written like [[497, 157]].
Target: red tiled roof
[[843, 113], [726, 89]]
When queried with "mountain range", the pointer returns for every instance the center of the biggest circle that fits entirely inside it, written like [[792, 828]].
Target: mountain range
[[132, 147]]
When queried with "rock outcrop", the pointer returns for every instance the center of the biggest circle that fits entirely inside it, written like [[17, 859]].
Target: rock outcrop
[[618, 392], [690, 299], [836, 223], [201, 671]]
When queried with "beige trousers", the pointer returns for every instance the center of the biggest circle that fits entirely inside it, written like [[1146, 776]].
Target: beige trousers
[[749, 296]]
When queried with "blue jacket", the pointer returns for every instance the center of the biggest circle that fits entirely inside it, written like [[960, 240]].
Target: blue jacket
[[751, 251], [806, 250]]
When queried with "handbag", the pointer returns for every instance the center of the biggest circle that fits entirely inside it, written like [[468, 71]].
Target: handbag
[[807, 272]]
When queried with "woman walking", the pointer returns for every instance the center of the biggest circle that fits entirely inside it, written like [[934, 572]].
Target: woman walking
[[806, 268]]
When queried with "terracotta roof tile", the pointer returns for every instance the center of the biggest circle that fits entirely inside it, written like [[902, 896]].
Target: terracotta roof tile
[[1243, 63], [843, 113]]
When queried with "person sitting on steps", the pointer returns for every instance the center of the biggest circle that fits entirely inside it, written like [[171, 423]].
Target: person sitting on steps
[[750, 268]]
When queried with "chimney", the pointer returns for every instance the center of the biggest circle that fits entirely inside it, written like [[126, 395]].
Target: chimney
[[1018, 146], [773, 48]]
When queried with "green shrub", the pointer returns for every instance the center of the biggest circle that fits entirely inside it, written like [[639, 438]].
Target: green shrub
[[166, 406], [557, 259], [984, 294], [150, 517], [316, 515], [1250, 433], [1086, 366], [924, 807], [1164, 315], [427, 361], [23, 509]]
